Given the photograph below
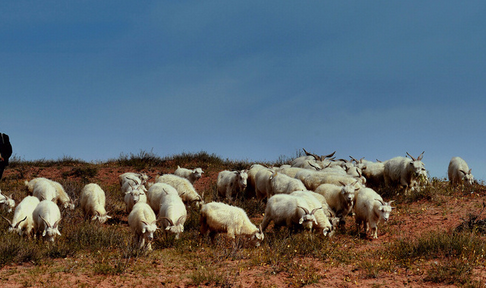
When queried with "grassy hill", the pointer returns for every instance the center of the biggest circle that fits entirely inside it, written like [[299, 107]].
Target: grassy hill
[[434, 237]]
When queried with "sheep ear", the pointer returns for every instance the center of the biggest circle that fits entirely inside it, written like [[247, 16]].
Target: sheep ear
[[44, 233], [58, 233], [94, 218], [301, 220]]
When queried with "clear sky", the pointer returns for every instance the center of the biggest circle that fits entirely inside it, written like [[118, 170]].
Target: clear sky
[[245, 80]]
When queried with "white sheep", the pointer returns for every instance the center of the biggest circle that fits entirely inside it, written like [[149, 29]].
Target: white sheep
[[134, 177], [172, 213], [290, 211], [370, 209], [156, 192], [7, 202], [46, 218], [408, 173], [44, 190], [291, 171], [322, 214], [459, 172], [217, 217], [282, 184], [22, 221], [184, 188], [92, 201], [130, 184], [251, 188], [340, 198], [135, 196], [190, 174], [143, 223], [262, 185], [315, 179], [312, 161], [231, 183], [373, 172], [61, 196]]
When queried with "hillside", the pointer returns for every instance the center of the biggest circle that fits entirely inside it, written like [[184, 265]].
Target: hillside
[[419, 246]]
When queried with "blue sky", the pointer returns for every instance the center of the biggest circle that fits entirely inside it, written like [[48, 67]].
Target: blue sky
[[245, 80]]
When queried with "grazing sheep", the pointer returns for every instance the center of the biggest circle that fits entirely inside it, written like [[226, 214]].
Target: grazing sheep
[[323, 225], [262, 185], [459, 172], [7, 202], [315, 179], [251, 188], [191, 175], [340, 198], [135, 178], [184, 188], [92, 201], [231, 183], [282, 184], [46, 217], [174, 212], [60, 194], [22, 221], [370, 209], [132, 183], [312, 161], [289, 210], [143, 222], [217, 217], [156, 192], [44, 190], [135, 196], [408, 173], [373, 172]]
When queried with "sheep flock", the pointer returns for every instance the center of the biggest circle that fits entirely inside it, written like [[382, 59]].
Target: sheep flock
[[312, 194]]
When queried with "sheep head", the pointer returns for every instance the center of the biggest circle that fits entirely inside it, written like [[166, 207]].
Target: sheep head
[[50, 231]]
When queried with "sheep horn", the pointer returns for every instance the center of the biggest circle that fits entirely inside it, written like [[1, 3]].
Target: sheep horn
[[305, 209], [421, 156], [18, 223], [411, 157], [9, 220], [310, 154], [354, 159], [380, 201], [170, 221], [312, 165], [329, 155], [315, 209], [45, 221], [180, 220]]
